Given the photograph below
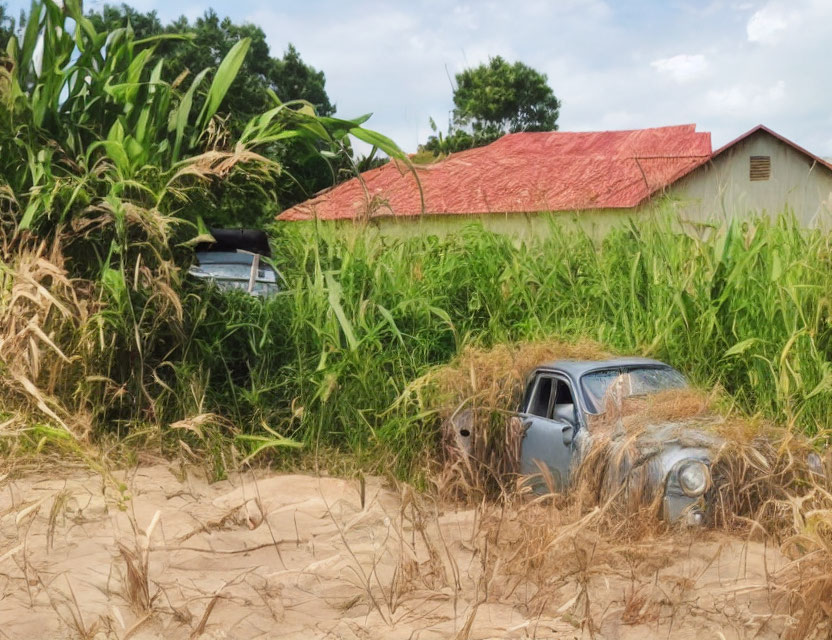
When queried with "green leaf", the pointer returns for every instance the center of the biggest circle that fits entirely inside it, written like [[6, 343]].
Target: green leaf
[[390, 321], [261, 443], [164, 36], [334, 296], [29, 215], [378, 140], [203, 234], [740, 347], [114, 284], [226, 74], [30, 37], [277, 440], [73, 8], [182, 113]]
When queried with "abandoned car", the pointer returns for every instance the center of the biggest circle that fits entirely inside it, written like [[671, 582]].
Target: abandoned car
[[236, 260], [562, 401]]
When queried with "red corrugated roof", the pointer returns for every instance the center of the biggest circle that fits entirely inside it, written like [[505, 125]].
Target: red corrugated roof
[[523, 172]]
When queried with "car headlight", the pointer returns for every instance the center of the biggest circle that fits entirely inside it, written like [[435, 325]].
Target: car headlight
[[693, 478]]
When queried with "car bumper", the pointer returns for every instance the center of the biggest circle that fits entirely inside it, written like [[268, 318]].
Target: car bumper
[[684, 510]]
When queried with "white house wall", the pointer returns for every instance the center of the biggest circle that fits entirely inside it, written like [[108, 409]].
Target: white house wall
[[722, 189]]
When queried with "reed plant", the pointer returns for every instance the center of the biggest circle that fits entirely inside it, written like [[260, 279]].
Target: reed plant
[[104, 164], [330, 361]]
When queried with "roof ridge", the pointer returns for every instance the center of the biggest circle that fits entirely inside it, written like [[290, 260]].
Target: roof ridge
[[691, 125]]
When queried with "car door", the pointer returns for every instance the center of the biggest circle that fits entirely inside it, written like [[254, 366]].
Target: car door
[[550, 421]]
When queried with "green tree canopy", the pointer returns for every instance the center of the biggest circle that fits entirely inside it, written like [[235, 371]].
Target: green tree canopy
[[494, 99], [289, 77]]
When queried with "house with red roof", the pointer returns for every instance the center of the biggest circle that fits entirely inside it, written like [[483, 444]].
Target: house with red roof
[[597, 178]]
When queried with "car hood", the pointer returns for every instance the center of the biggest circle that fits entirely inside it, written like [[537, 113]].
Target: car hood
[[647, 454]]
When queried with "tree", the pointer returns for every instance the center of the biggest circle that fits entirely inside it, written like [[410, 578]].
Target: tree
[[7, 26], [494, 99], [212, 38], [261, 77]]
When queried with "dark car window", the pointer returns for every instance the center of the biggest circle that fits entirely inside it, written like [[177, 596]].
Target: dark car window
[[564, 405], [632, 381], [552, 399], [539, 405]]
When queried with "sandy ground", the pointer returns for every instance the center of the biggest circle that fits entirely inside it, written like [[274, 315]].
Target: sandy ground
[[293, 556]]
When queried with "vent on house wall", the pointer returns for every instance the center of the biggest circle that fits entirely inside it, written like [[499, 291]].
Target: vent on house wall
[[759, 168]]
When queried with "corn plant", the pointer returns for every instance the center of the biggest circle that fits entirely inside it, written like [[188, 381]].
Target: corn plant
[[101, 165]]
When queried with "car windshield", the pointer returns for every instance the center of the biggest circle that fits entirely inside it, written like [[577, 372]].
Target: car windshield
[[232, 270], [627, 382]]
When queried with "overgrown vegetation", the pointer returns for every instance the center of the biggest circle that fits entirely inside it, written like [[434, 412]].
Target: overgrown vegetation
[[328, 360], [102, 336], [261, 76], [103, 161], [102, 164], [105, 164]]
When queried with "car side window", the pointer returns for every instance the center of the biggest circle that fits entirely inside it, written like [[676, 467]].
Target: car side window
[[552, 399], [541, 397], [563, 407]]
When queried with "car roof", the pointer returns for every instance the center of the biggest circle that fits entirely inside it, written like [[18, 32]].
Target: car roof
[[577, 368], [250, 240]]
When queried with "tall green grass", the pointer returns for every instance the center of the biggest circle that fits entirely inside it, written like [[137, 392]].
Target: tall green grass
[[325, 361], [101, 193]]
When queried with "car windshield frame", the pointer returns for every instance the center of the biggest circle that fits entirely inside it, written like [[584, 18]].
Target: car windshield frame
[[590, 400]]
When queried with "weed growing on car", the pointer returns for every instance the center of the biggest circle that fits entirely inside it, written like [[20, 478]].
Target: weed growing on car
[[768, 482]]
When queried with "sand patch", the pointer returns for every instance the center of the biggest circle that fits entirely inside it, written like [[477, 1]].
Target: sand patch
[[294, 556]]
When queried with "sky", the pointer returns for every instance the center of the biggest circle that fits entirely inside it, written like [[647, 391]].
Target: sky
[[724, 65]]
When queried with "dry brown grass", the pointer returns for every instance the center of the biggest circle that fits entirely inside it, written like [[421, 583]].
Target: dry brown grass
[[477, 391], [137, 584], [633, 413], [42, 312], [764, 486], [63, 341], [407, 563], [495, 378]]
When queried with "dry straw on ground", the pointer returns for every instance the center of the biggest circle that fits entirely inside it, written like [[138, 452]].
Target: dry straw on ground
[[768, 482], [317, 561]]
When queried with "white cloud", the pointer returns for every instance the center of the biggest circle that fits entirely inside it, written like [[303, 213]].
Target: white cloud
[[465, 17], [613, 120], [747, 99], [682, 67], [767, 26]]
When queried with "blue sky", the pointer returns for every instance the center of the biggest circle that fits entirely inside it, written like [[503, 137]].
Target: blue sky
[[725, 65]]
